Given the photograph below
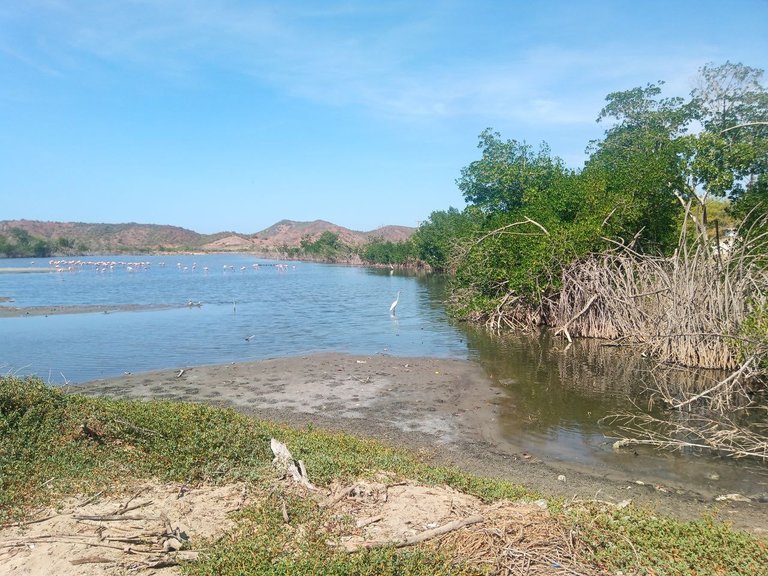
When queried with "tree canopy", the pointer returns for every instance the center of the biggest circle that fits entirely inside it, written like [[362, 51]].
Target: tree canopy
[[528, 215]]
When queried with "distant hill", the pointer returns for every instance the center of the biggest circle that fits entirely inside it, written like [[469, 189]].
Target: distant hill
[[157, 237]]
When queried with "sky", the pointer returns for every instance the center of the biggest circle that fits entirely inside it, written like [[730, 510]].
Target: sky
[[231, 115]]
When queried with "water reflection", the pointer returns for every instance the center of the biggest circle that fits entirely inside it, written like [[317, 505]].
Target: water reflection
[[556, 395]]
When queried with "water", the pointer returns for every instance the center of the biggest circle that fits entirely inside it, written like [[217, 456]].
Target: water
[[552, 397], [557, 399], [294, 308]]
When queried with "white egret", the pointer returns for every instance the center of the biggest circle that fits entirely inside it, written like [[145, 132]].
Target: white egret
[[393, 306]]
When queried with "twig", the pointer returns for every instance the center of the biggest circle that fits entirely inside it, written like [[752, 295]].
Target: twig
[[730, 378], [70, 540], [421, 536], [368, 521], [28, 522], [501, 229], [108, 518], [91, 499], [339, 497], [131, 499], [90, 560], [135, 507]]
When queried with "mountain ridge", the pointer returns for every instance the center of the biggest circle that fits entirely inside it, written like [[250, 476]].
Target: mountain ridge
[[102, 237]]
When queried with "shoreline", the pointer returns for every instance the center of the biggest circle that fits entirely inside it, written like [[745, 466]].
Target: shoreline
[[445, 410]]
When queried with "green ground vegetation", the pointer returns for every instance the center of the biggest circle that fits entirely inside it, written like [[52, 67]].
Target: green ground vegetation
[[75, 445]]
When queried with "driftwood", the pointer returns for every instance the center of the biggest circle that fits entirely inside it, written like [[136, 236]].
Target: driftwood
[[339, 497], [287, 466], [421, 536]]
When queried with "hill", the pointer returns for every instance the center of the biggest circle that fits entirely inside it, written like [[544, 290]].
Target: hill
[[133, 237]]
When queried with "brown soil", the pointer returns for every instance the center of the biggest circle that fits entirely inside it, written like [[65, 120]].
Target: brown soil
[[444, 409], [120, 534], [145, 528]]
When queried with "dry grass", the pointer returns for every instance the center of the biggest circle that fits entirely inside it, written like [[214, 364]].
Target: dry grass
[[510, 543], [686, 309]]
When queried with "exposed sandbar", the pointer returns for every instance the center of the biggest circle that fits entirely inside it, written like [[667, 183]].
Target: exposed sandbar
[[11, 311]]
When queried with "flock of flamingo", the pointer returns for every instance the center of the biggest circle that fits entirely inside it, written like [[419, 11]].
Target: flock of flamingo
[[110, 265]]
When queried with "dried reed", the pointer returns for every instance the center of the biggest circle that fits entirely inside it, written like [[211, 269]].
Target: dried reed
[[716, 433], [510, 543], [686, 309]]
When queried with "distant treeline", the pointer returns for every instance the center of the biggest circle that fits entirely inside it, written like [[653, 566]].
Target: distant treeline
[[21, 244]]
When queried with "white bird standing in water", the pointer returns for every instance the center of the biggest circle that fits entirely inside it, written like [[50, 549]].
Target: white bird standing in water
[[394, 304]]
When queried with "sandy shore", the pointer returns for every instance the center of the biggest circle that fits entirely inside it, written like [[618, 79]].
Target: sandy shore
[[444, 409]]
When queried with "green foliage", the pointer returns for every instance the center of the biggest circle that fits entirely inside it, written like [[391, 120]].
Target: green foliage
[[508, 171], [23, 244], [634, 540], [380, 251], [641, 159], [436, 239], [750, 206], [754, 335], [529, 216], [518, 252], [327, 247]]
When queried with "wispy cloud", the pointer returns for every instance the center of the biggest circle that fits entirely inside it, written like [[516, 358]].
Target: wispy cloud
[[384, 59]]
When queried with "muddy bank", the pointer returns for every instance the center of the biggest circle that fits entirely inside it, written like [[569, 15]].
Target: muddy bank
[[444, 409], [13, 312]]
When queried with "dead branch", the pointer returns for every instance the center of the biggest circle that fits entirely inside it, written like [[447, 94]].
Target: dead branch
[[91, 560], [28, 522], [339, 497], [507, 226], [368, 521], [421, 536], [744, 125], [108, 518], [732, 377], [286, 465], [564, 327]]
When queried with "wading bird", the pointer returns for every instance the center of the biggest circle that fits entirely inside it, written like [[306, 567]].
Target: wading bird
[[393, 306]]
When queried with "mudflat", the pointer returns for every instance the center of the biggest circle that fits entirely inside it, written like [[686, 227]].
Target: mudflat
[[444, 409], [13, 312]]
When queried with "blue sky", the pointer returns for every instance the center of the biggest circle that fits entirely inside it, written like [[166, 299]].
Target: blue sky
[[231, 115]]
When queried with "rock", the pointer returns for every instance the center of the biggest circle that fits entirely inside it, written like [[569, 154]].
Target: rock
[[733, 498], [623, 504], [172, 544], [561, 478]]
